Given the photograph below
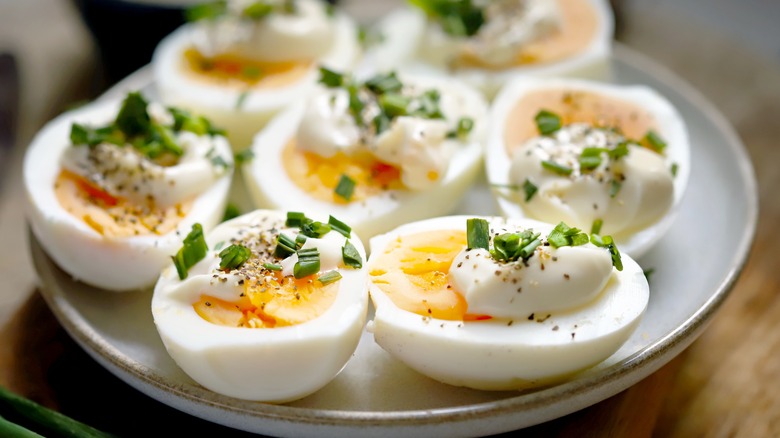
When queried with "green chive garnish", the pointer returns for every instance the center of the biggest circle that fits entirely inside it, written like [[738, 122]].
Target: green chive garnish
[[394, 104], [477, 233], [345, 187], [330, 78], [557, 168], [509, 247], [590, 158], [609, 243], [384, 83], [231, 211], [342, 228], [329, 277], [655, 142], [244, 156], [547, 122], [351, 256], [596, 227], [314, 229], [530, 189], [614, 188], [465, 125], [675, 167], [257, 10], [193, 250], [295, 219], [563, 235], [308, 263], [272, 266], [620, 150], [300, 240], [234, 256], [285, 246]]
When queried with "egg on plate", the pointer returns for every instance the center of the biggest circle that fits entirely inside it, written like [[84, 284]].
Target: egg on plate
[[500, 304], [111, 186], [487, 42], [239, 62], [610, 158], [267, 306], [377, 152]]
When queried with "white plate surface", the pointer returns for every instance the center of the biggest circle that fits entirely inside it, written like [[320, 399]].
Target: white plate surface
[[376, 395]]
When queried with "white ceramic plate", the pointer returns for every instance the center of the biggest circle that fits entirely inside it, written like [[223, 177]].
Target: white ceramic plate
[[377, 396]]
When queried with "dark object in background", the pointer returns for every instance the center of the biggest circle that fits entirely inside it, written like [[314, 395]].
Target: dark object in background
[[126, 32]]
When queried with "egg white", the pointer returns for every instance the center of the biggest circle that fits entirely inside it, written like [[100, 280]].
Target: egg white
[[670, 126], [499, 355], [116, 264], [274, 365], [220, 104], [271, 187], [402, 30]]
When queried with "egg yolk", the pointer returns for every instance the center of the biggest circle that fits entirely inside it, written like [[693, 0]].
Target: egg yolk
[[111, 216], [234, 70], [268, 303], [320, 176], [575, 107], [413, 273], [578, 28]]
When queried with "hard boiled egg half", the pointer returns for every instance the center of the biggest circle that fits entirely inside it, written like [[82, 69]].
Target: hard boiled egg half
[[111, 186], [613, 159], [239, 62], [267, 307], [378, 152], [488, 42], [496, 304]]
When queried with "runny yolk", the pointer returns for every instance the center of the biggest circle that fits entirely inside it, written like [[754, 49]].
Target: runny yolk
[[275, 302], [112, 216], [320, 176], [413, 273], [235, 70]]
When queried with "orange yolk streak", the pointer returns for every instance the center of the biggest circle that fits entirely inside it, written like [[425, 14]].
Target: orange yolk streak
[[414, 273], [240, 71]]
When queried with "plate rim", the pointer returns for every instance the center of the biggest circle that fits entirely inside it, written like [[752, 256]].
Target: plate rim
[[605, 382]]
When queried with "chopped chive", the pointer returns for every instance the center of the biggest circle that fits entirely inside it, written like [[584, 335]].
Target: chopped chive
[[206, 11], [330, 78], [563, 235], [351, 256], [579, 239], [218, 161], [429, 105], [614, 188], [342, 228], [530, 189], [655, 142], [596, 227], [381, 123], [557, 168], [314, 229], [241, 99], [648, 272], [133, 119], [394, 104], [244, 156], [234, 256], [675, 167], [477, 233], [251, 72], [285, 246], [384, 83], [464, 127], [193, 250], [528, 250], [609, 243], [547, 122], [231, 211], [620, 150], [590, 158], [272, 266], [356, 105], [257, 10], [345, 187], [300, 240], [329, 277], [308, 263], [295, 219]]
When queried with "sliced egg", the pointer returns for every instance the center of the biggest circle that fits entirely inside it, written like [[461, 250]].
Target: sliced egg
[[257, 330], [110, 215], [617, 160], [416, 167], [467, 317], [491, 42], [240, 71]]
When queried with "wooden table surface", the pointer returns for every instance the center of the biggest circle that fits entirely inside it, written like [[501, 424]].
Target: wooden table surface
[[725, 384]]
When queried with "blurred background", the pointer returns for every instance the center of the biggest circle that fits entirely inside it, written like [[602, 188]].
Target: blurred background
[[57, 54]]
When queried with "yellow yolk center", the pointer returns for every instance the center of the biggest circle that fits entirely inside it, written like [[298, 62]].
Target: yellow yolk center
[[320, 176], [267, 303], [413, 273], [578, 28], [111, 216], [575, 107], [234, 70]]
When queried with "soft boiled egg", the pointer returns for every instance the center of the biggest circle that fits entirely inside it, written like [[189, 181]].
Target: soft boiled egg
[[240, 62], [500, 304], [603, 157], [486, 43], [378, 152], [111, 186], [266, 307]]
